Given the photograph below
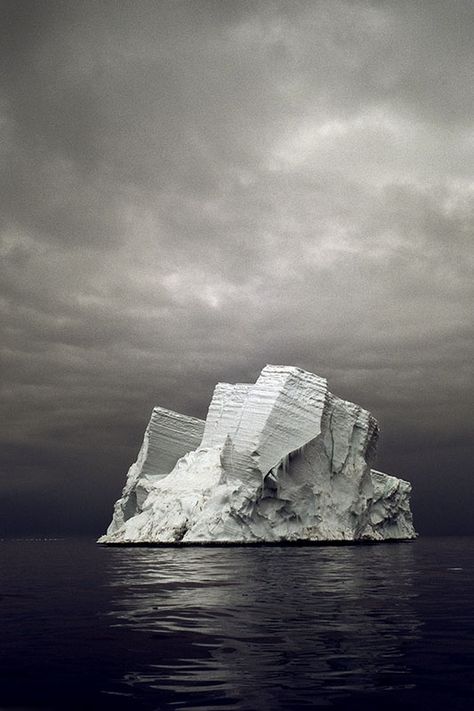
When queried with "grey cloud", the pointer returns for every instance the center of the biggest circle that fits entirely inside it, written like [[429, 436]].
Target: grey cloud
[[194, 189]]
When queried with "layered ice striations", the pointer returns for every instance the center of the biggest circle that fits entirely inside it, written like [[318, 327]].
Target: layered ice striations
[[280, 460]]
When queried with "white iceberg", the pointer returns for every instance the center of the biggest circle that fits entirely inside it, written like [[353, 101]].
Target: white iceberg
[[282, 460]]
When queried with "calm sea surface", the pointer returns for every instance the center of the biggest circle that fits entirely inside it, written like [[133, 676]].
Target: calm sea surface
[[388, 626]]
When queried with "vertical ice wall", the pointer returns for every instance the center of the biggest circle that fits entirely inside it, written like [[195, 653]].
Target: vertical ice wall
[[168, 436], [326, 483], [225, 412], [280, 413]]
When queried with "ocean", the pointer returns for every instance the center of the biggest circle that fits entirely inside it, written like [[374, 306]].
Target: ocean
[[380, 626]]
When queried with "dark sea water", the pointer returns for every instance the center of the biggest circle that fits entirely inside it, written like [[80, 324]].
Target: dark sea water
[[388, 626]]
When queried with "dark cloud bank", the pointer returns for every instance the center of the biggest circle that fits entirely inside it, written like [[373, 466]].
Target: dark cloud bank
[[193, 189]]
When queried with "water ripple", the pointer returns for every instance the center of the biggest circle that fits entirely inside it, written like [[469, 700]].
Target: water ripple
[[249, 622], [277, 628]]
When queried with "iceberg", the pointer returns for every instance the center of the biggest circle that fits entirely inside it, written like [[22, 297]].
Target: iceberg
[[282, 460]]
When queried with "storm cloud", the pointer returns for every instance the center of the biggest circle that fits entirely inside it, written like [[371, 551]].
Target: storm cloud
[[191, 190]]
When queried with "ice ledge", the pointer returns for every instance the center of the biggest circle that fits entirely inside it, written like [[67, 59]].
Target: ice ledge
[[280, 461]]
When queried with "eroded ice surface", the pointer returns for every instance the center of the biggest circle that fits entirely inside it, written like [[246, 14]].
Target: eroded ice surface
[[279, 460]]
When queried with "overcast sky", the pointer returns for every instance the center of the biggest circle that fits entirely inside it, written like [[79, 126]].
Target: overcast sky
[[191, 190]]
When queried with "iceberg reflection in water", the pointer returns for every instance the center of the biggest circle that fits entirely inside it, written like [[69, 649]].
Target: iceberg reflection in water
[[267, 627]]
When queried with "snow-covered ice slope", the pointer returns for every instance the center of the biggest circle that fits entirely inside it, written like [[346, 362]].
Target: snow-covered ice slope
[[280, 460]]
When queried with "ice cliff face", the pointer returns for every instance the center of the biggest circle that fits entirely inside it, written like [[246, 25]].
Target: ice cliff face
[[168, 437], [280, 460]]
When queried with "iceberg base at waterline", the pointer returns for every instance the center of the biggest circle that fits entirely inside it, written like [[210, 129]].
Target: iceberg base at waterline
[[279, 461]]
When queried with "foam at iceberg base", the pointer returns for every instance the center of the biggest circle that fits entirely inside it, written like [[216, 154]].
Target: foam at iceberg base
[[280, 460]]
